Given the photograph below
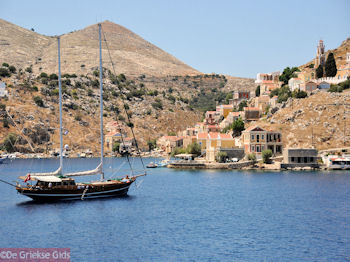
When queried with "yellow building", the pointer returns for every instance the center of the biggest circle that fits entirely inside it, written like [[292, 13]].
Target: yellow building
[[202, 140], [224, 110], [217, 141]]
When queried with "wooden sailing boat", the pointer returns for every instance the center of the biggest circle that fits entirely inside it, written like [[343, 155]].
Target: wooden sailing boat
[[54, 185]]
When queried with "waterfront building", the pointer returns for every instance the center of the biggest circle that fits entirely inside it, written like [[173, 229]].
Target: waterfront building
[[202, 140], [188, 140], [169, 143], [111, 138], [299, 157], [256, 139], [216, 142], [336, 162]]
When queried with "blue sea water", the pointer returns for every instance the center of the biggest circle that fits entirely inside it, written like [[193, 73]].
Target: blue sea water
[[181, 215]]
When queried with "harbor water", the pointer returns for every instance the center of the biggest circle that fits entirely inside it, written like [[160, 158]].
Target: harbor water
[[186, 215]]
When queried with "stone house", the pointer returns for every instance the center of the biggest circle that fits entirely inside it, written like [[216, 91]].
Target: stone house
[[309, 86], [251, 113], [295, 83], [256, 139], [169, 143], [224, 110], [299, 157], [323, 85]]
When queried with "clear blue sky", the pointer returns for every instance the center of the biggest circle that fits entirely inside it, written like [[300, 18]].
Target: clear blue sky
[[237, 37]]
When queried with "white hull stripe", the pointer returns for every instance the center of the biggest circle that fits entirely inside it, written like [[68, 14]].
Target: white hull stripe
[[77, 195]]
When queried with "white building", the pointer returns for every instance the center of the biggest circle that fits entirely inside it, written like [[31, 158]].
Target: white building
[[295, 83]]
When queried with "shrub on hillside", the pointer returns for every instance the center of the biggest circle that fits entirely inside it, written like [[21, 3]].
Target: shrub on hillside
[[38, 101]]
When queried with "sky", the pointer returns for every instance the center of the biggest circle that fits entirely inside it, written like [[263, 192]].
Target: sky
[[237, 37]]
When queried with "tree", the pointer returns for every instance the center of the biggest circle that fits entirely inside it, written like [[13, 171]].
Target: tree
[[251, 157], [12, 69], [297, 93], [152, 144], [194, 149], [257, 91], [330, 67], [4, 72], [5, 64], [116, 146], [221, 157], [242, 104], [228, 97], [238, 127], [319, 71], [38, 100], [9, 142], [266, 156], [287, 74]]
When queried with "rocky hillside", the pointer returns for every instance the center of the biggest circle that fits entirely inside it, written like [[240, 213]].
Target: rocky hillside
[[319, 119], [156, 105], [131, 54]]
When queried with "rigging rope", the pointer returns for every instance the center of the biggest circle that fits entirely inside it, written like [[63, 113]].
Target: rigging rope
[[127, 115]]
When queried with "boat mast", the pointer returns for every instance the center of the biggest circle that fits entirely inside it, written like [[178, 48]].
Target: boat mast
[[101, 100], [60, 98]]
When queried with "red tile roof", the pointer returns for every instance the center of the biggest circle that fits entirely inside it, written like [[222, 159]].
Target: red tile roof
[[202, 135], [214, 135], [226, 136], [251, 108], [253, 127]]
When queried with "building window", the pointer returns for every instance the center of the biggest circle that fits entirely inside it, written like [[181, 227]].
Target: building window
[[252, 137], [292, 159], [253, 148], [262, 137], [305, 159]]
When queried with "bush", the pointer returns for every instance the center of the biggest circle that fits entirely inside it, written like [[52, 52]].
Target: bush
[[90, 92], [152, 144], [297, 93], [242, 104], [5, 64], [116, 146], [4, 72], [194, 148], [178, 150], [78, 117], [38, 101], [221, 157], [257, 91], [53, 77], [12, 69], [44, 75], [251, 157], [9, 142], [29, 69], [266, 156], [2, 107], [96, 73], [5, 123], [121, 118], [319, 71], [335, 89]]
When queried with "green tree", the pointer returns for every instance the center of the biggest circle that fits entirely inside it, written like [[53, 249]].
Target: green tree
[[266, 156], [9, 142], [152, 144], [12, 69], [221, 157], [238, 127], [116, 146], [242, 104], [38, 100], [287, 74], [194, 149], [53, 77], [319, 71], [251, 157], [257, 91], [5, 64], [4, 72], [330, 67], [228, 97], [299, 93]]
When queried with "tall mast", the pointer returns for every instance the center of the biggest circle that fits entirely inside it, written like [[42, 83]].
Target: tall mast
[[60, 98], [101, 100]]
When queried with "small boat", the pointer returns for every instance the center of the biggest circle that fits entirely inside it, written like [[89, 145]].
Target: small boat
[[152, 165], [2, 160], [164, 163]]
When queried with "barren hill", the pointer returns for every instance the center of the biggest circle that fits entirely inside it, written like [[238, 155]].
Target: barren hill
[[320, 119], [131, 54]]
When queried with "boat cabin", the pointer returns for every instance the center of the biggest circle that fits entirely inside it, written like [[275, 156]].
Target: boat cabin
[[54, 181]]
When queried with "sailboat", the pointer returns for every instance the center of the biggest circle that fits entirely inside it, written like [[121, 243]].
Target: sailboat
[[53, 186]]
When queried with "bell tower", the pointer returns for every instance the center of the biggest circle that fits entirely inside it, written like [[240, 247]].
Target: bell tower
[[320, 56]]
